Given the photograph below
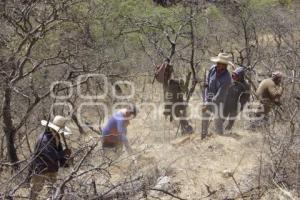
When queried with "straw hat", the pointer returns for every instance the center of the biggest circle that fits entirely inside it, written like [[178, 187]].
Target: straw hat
[[58, 125], [221, 58]]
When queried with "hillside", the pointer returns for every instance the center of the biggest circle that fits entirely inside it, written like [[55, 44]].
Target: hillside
[[75, 62]]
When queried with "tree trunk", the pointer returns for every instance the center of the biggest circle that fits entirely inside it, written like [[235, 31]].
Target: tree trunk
[[8, 127]]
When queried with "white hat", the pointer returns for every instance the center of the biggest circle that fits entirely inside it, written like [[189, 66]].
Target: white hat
[[58, 125], [221, 58]]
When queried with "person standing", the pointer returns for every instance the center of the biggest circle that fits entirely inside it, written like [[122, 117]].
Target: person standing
[[217, 83], [48, 156], [174, 91], [176, 106], [237, 97]]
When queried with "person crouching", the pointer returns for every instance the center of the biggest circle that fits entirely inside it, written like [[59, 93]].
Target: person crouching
[[48, 156], [114, 133]]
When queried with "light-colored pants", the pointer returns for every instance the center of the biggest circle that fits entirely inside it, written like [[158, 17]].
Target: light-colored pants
[[39, 180], [267, 107]]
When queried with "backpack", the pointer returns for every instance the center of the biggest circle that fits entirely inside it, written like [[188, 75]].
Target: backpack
[[162, 71]]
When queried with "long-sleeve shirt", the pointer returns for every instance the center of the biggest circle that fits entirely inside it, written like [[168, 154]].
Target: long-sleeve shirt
[[238, 95], [218, 85], [49, 154], [114, 132], [269, 91]]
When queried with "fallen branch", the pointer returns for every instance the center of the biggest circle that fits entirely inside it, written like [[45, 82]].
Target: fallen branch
[[168, 193]]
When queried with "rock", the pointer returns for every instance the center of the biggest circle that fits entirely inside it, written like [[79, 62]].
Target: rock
[[227, 173], [163, 183]]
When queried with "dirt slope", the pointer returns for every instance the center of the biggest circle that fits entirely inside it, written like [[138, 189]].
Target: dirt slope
[[194, 164]]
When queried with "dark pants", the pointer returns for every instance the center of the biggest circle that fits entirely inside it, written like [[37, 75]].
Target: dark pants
[[206, 121], [230, 117]]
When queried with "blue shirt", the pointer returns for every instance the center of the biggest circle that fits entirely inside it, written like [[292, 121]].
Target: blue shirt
[[217, 85], [117, 123]]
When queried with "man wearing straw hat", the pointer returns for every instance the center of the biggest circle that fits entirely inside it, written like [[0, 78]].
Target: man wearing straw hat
[[49, 155], [218, 81]]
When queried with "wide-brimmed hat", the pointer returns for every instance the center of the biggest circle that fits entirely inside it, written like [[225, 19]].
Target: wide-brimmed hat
[[58, 125], [221, 58]]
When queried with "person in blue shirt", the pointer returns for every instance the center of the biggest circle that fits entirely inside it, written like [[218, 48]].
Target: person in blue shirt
[[218, 81], [114, 133]]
